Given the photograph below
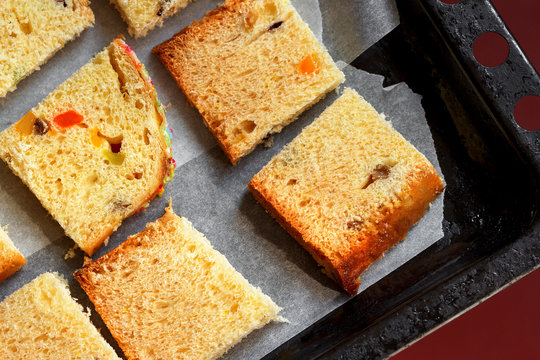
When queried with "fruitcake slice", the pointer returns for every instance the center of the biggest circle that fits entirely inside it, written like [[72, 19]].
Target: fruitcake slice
[[42, 321], [31, 31], [250, 67], [347, 188], [97, 149], [165, 293], [11, 259], [144, 15]]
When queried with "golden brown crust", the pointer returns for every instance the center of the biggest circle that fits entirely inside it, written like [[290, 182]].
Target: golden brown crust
[[92, 245], [85, 5], [370, 244], [182, 56], [82, 276], [10, 263], [290, 224], [199, 30], [125, 287]]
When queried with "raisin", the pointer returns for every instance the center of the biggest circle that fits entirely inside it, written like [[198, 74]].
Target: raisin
[[381, 171], [41, 127], [354, 224], [275, 25], [160, 11]]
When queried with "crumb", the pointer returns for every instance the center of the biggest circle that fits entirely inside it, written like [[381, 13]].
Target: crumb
[[281, 319], [87, 261], [106, 242], [70, 254], [268, 141], [167, 106]]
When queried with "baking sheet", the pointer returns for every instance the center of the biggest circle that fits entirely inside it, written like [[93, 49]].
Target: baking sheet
[[207, 189]]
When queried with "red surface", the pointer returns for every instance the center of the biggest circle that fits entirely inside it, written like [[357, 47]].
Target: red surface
[[491, 49], [506, 326], [523, 19], [527, 112]]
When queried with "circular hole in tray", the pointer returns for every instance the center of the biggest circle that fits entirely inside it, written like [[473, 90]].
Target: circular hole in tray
[[527, 112], [491, 49], [450, 1]]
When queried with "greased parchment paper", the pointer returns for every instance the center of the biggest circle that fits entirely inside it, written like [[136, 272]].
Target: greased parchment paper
[[207, 189]]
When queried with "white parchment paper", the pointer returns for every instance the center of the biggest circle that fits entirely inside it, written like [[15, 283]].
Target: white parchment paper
[[207, 189]]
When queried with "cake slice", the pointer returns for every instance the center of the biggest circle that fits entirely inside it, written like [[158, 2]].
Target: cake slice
[[250, 67], [347, 188], [31, 31], [97, 149], [11, 259], [165, 293], [42, 321], [144, 15]]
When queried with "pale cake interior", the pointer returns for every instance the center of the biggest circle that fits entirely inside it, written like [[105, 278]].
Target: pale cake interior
[[165, 293], [250, 69], [92, 175], [31, 31], [42, 321]]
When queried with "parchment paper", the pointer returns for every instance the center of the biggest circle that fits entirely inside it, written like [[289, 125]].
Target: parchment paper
[[207, 189]]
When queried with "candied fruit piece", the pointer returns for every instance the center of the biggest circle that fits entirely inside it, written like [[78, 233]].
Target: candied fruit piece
[[25, 125], [114, 158], [41, 127], [68, 118], [308, 65]]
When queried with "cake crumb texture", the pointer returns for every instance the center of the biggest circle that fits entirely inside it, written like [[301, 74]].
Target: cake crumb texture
[[11, 259], [96, 150], [42, 321], [144, 15], [165, 293], [250, 67], [347, 188], [32, 31]]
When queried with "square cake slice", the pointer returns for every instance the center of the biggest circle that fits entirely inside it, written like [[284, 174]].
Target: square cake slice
[[165, 293], [42, 321], [11, 259], [97, 149], [250, 67], [32, 31], [347, 188], [144, 15]]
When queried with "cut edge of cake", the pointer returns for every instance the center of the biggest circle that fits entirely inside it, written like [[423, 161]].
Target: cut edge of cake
[[347, 271], [83, 276], [11, 259], [166, 9], [88, 16], [211, 23]]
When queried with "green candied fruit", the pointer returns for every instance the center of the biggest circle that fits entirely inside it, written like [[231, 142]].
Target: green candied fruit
[[166, 134], [114, 158]]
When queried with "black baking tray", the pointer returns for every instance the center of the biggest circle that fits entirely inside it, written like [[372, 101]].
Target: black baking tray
[[492, 172]]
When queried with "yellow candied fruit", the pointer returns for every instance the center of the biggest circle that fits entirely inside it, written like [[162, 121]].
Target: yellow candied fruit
[[308, 65], [25, 125], [114, 158]]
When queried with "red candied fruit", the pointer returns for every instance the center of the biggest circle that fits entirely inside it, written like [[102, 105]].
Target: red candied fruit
[[68, 118]]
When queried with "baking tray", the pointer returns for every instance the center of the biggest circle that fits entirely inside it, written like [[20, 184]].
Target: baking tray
[[492, 170]]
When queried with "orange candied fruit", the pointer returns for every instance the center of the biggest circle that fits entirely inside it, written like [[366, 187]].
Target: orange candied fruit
[[308, 65], [68, 118]]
